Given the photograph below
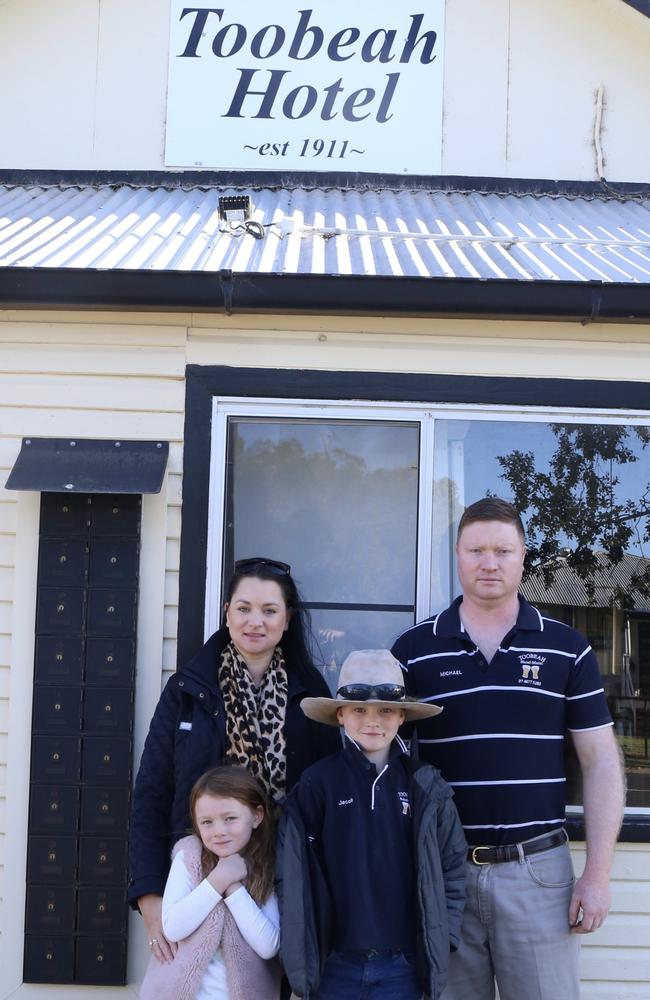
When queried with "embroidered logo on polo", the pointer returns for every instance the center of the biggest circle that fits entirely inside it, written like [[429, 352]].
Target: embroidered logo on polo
[[451, 673], [531, 664], [404, 801], [346, 802]]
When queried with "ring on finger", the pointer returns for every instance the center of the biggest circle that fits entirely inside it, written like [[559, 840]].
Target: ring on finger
[[153, 942]]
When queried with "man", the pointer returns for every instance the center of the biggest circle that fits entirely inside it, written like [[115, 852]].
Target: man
[[511, 682]]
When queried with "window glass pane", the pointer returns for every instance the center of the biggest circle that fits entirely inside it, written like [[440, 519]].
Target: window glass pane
[[337, 633], [335, 499], [338, 501], [584, 494]]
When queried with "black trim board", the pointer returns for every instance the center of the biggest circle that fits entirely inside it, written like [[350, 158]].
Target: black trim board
[[286, 383], [635, 829], [229, 292]]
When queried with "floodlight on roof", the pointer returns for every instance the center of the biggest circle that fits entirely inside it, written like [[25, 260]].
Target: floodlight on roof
[[235, 207]]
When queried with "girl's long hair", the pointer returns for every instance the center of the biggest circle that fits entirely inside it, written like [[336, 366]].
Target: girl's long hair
[[232, 782]]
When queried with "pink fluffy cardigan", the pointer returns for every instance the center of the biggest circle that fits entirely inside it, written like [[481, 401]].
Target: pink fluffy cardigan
[[249, 976]]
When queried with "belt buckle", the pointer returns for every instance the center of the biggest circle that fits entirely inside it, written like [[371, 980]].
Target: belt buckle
[[475, 860]]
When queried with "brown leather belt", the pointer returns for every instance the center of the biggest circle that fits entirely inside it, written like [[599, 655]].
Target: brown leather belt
[[513, 852]]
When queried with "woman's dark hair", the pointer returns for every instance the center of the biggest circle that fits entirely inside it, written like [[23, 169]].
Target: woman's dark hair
[[238, 783], [295, 642]]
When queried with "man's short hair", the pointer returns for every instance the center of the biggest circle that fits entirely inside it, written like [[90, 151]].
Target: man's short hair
[[492, 509]]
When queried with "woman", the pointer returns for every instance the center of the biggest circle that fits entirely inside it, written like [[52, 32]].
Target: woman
[[237, 701]]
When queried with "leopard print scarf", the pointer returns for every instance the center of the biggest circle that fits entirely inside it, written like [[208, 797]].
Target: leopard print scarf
[[255, 718]]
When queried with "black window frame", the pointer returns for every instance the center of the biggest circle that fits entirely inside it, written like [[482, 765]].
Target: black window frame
[[204, 382]]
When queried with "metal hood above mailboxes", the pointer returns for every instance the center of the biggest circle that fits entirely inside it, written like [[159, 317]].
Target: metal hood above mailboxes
[[82, 465]]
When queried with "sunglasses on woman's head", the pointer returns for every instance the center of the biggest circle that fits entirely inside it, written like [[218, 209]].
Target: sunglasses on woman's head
[[363, 692], [272, 565]]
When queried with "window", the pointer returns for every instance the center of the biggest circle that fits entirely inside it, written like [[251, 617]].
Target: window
[[369, 569], [578, 485], [338, 500]]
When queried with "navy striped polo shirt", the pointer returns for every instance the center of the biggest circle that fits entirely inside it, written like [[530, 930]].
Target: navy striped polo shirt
[[500, 740]]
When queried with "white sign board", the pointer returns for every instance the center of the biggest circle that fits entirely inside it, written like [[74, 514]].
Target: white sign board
[[338, 86]]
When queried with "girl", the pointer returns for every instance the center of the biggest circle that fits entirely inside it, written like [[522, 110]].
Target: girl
[[218, 902]]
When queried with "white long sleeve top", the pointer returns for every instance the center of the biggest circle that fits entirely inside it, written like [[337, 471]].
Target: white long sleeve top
[[184, 909]]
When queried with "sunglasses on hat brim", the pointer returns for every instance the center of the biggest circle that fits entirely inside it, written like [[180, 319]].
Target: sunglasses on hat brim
[[364, 692]]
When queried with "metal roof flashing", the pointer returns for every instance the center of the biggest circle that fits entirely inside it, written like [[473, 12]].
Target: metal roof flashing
[[326, 180], [82, 465]]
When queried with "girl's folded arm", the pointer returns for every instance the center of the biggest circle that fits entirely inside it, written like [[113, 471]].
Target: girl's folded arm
[[258, 925], [183, 908]]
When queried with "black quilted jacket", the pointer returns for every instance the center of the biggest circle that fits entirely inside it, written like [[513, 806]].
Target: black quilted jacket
[[187, 736]]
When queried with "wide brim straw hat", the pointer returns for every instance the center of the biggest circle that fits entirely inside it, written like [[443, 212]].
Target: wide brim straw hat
[[377, 668]]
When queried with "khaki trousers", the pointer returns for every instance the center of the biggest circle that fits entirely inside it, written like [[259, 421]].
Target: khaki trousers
[[516, 932]]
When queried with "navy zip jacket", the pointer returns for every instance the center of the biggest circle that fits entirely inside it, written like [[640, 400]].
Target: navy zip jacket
[[187, 736], [370, 861]]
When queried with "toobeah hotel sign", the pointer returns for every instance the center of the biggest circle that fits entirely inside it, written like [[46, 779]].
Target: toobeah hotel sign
[[335, 86]]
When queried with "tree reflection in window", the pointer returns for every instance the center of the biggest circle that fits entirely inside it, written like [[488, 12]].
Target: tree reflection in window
[[586, 563]]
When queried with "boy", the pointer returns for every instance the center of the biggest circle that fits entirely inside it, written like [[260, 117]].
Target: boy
[[371, 857]]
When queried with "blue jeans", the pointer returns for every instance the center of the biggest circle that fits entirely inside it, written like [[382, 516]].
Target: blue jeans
[[374, 976]]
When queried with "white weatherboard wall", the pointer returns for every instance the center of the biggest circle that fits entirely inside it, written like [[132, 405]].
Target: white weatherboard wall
[[60, 379], [104, 375], [83, 86], [616, 959]]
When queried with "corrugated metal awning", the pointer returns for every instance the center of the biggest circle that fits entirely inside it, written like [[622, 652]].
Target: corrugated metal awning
[[503, 237]]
